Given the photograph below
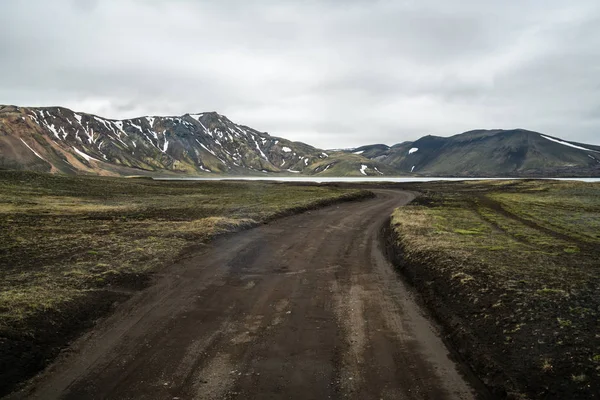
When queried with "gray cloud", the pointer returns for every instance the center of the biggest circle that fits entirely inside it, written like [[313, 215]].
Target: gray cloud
[[333, 74]]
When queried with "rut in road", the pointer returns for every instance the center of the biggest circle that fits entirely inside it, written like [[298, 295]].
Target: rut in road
[[306, 307]]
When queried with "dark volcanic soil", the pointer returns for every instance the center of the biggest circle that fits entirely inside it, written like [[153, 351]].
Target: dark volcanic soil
[[306, 307]]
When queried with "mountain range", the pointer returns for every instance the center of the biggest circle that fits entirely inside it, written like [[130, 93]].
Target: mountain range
[[59, 140]]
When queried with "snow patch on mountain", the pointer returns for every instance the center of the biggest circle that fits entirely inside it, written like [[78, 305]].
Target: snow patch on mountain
[[262, 154], [53, 130], [207, 149], [82, 154], [119, 125], [138, 127], [34, 152], [568, 144]]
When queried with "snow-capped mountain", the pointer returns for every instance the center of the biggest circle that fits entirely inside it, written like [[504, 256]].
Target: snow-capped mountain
[[56, 139], [488, 153]]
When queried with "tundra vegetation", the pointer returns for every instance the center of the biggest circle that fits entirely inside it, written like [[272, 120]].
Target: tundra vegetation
[[512, 271], [70, 247]]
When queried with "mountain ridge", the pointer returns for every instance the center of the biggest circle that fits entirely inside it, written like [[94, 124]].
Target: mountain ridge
[[56, 139], [59, 140], [494, 152]]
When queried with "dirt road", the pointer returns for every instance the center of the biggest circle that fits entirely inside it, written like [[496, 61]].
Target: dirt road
[[306, 307]]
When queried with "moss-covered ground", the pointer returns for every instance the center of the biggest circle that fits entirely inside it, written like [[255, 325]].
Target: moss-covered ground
[[70, 247], [512, 268]]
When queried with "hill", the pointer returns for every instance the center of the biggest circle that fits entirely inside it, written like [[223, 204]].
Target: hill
[[59, 140], [488, 153]]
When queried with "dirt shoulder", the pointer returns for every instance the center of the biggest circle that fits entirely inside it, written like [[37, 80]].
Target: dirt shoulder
[[511, 271]]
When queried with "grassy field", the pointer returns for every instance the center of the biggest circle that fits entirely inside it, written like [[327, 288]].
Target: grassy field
[[72, 246], [512, 269]]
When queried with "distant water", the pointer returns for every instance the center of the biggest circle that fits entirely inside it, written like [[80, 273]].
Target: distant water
[[352, 179]]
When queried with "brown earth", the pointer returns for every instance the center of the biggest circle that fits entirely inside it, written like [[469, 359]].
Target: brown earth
[[305, 307]]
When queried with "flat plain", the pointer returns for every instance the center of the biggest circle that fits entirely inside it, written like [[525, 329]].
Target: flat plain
[[307, 306]]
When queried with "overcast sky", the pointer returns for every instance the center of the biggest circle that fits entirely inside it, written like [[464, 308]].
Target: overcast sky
[[329, 73]]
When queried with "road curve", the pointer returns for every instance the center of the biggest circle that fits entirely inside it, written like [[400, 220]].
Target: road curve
[[305, 307]]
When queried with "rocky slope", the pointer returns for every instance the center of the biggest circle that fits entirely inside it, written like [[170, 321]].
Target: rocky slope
[[488, 153], [56, 139]]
